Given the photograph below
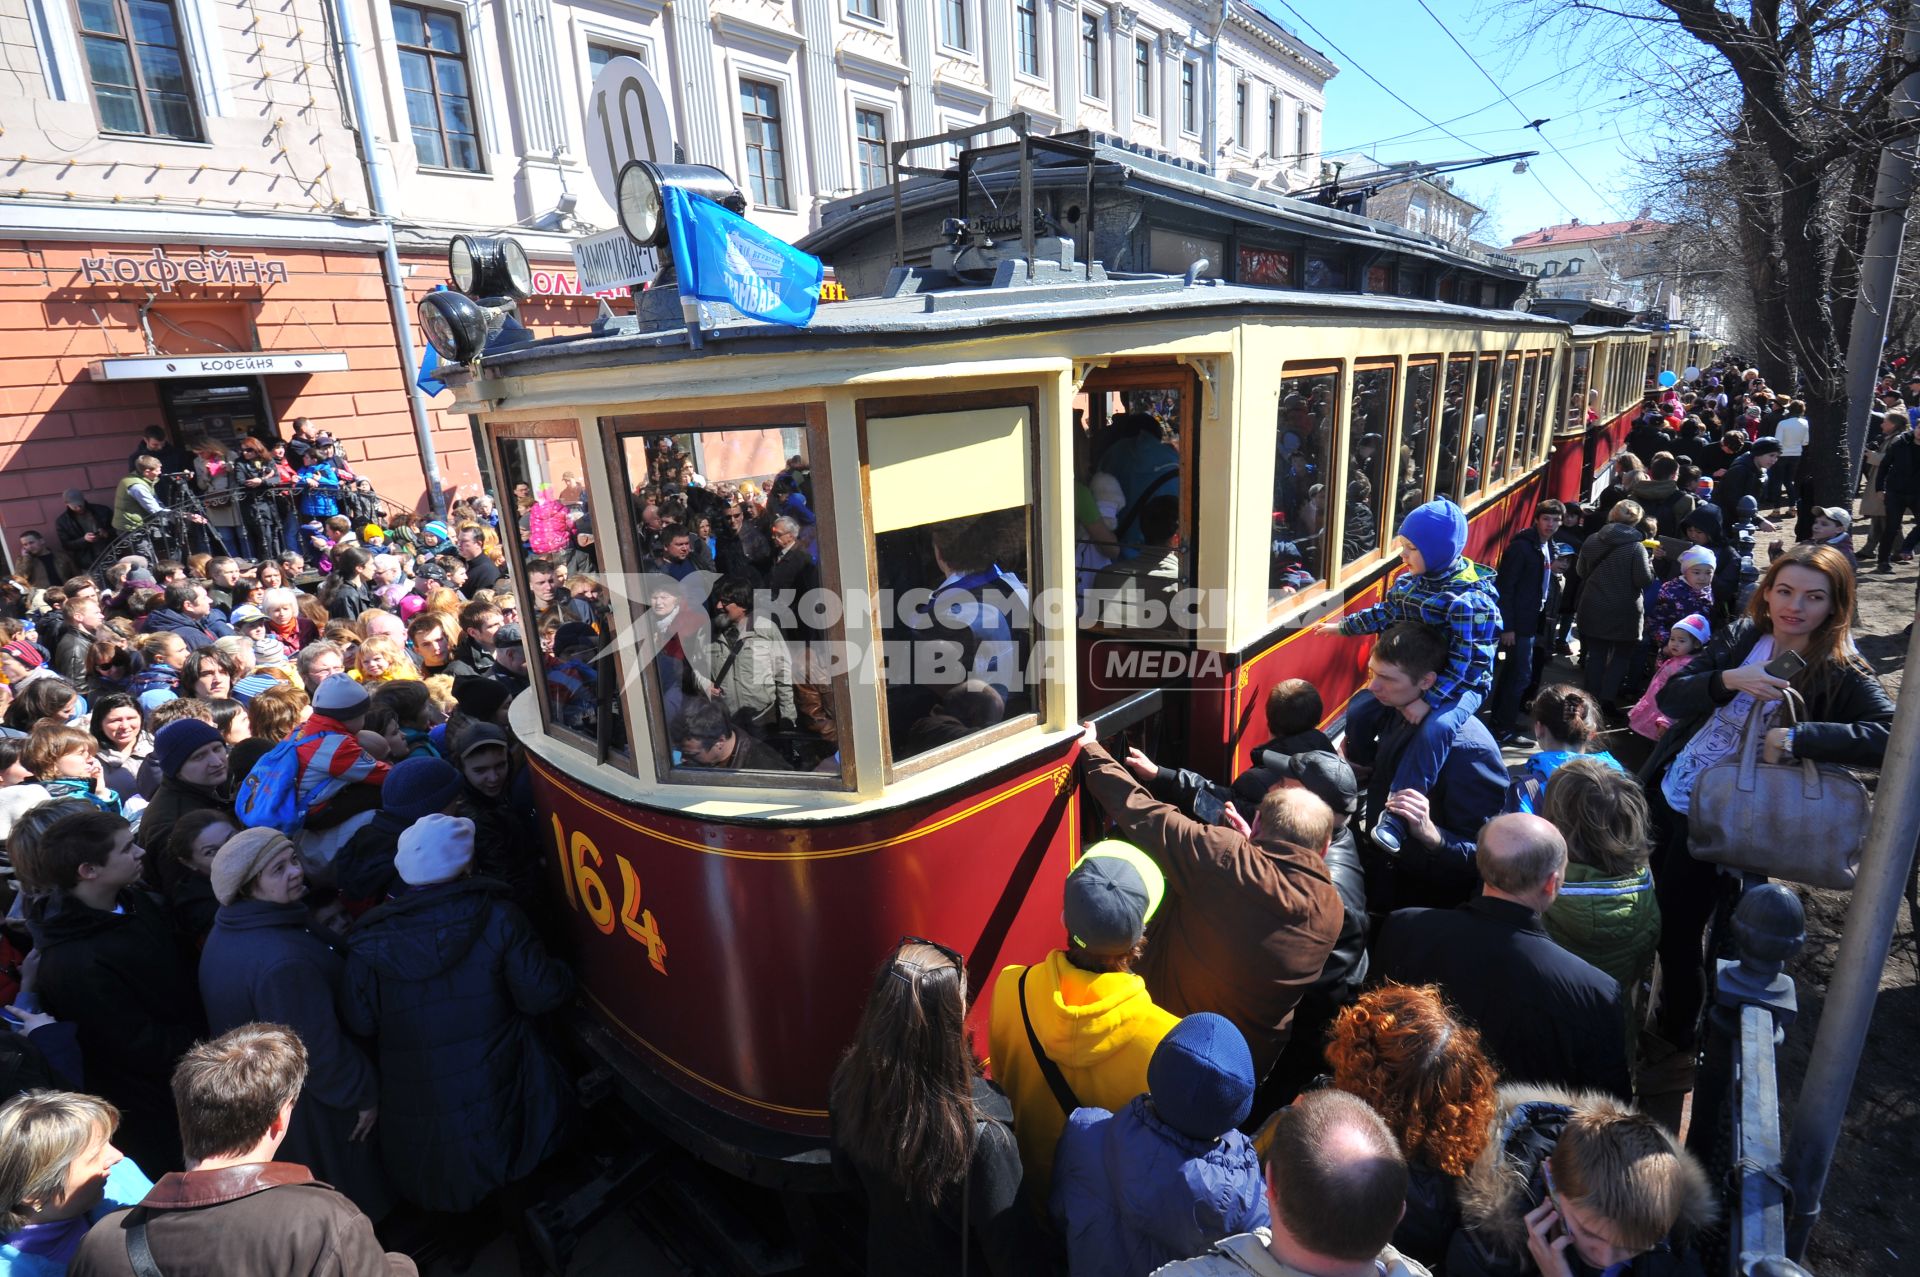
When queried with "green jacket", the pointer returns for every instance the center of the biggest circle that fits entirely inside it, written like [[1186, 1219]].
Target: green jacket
[[128, 514], [1613, 923]]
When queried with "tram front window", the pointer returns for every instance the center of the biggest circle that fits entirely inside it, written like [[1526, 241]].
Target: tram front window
[[1133, 533], [950, 499], [546, 529], [724, 532], [1302, 465]]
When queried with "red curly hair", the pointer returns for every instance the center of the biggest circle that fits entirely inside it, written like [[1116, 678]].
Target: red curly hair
[[1400, 1049]]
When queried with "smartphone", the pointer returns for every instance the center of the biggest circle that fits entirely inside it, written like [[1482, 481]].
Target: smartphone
[[1785, 665]]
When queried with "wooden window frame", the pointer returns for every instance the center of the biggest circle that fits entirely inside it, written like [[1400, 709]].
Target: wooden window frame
[[950, 9], [464, 58], [82, 33], [615, 428], [1038, 72], [1092, 51], [1390, 448], [1190, 106], [1574, 419], [1472, 360], [1438, 362], [883, 408], [1335, 526], [860, 140], [501, 434], [1482, 361], [1144, 105]]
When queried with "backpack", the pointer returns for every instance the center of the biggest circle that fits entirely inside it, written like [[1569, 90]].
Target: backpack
[[269, 797]]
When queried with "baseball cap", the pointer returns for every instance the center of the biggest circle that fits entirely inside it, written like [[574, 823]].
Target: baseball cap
[[1110, 897], [481, 736]]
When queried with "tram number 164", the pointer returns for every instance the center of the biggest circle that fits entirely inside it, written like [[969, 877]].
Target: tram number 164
[[580, 863]]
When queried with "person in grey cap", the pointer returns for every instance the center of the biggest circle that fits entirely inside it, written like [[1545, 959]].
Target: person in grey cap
[[83, 528], [1832, 525], [1080, 1017], [510, 658]]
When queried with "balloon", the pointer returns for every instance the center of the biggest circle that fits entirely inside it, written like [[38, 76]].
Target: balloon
[[1669, 377], [1691, 373]]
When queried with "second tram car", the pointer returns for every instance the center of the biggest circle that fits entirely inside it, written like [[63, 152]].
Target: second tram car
[[744, 814]]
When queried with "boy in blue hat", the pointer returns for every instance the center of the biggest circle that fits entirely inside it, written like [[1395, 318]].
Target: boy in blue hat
[[1442, 588], [1168, 1175]]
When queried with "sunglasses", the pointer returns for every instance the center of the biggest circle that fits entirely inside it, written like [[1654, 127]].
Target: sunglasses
[[952, 955]]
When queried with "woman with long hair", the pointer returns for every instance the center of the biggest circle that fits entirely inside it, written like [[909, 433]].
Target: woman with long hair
[[213, 477], [925, 1136], [254, 475], [1804, 605], [349, 591], [270, 575], [1401, 1050], [117, 725]]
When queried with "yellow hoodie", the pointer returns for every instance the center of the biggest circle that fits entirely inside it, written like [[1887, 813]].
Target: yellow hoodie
[[1099, 1029]]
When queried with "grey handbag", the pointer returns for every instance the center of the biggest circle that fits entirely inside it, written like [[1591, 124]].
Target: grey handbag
[[1800, 821]]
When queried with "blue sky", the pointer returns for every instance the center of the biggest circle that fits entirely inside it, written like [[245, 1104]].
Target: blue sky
[[1599, 134]]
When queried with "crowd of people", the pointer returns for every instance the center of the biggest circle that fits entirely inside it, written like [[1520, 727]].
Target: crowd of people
[[264, 801], [1408, 1003]]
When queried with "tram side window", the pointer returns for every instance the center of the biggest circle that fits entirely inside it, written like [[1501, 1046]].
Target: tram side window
[[1303, 462], [726, 531], [1504, 419], [954, 564], [1370, 426], [1538, 420], [1481, 442], [1523, 408], [1409, 485], [547, 533], [1449, 460], [1577, 387]]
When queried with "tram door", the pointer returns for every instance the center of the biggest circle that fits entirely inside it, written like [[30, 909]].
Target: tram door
[[1136, 440]]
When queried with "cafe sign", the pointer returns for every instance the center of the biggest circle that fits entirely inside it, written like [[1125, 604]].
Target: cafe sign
[[215, 266], [242, 364]]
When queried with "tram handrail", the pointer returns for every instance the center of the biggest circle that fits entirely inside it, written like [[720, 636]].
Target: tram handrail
[[1116, 718]]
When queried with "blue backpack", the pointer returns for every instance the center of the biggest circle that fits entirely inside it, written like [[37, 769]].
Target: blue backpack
[[269, 797]]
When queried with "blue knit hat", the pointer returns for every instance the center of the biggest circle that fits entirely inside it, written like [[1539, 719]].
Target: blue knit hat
[[419, 787], [179, 740], [1201, 1077], [1438, 530]]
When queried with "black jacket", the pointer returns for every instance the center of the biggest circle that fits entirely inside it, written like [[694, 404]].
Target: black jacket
[[481, 575], [121, 979], [1615, 568], [1848, 714], [1522, 583], [349, 601], [1900, 466], [363, 869], [1744, 478], [906, 1239], [1544, 1015], [71, 531]]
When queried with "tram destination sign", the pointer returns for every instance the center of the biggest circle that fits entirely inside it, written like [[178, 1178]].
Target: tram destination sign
[[610, 260]]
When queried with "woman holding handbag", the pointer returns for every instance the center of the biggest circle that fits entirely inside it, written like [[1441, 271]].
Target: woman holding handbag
[[1800, 620]]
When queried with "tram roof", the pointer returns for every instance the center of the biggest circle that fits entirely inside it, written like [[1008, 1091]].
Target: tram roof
[[912, 317]]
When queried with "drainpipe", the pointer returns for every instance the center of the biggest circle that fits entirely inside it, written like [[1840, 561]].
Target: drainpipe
[[1210, 137], [377, 192]]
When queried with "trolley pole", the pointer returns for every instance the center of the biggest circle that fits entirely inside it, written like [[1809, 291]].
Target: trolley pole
[[1877, 896], [1879, 263]]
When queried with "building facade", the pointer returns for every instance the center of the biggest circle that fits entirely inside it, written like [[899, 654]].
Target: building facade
[[188, 230]]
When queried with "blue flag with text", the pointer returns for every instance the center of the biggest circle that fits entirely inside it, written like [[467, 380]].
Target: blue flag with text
[[722, 257]]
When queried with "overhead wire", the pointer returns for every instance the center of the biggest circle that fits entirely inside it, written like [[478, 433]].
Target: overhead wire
[[1538, 129], [1358, 66]]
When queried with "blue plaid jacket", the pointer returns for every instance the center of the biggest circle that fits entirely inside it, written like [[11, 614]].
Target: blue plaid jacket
[[1460, 600]]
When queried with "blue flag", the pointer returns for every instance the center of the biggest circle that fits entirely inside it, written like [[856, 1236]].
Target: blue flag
[[722, 257], [425, 379]]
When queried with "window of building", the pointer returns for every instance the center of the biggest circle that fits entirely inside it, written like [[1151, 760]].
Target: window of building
[[1303, 461], [868, 9], [1189, 96], [1573, 266], [1273, 128], [433, 71], [766, 152], [1370, 428], [1143, 103], [1300, 137], [959, 562], [1026, 35], [953, 25], [598, 55], [136, 63], [870, 147], [1240, 130], [738, 689], [1091, 83]]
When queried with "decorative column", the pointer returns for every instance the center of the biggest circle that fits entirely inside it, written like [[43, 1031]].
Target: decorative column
[[1123, 19], [702, 132], [916, 43], [1066, 63], [996, 53], [826, 142]]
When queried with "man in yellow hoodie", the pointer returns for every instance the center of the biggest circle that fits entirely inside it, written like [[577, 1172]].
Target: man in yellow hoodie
[[1078, 1029]]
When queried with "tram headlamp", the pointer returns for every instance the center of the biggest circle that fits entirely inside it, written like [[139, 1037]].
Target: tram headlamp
[[489, 266], [456, 325], [641, 206]]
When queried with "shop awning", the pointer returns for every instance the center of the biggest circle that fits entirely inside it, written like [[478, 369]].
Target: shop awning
[[252, 363]]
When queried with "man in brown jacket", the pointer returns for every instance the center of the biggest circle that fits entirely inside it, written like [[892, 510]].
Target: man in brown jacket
[[236, 1210], [1249, 915]]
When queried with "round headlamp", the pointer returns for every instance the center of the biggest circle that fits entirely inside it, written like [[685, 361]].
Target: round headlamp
[[489, 266]]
